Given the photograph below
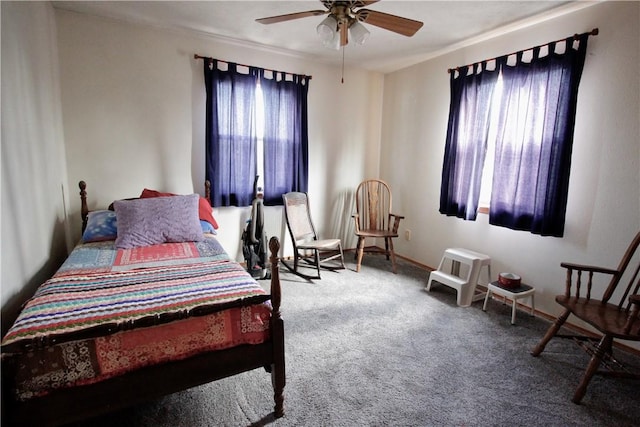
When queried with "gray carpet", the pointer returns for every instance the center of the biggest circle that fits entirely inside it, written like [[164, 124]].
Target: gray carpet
[[373, 348]]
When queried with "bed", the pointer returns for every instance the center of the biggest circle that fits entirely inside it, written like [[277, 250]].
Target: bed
[[153, 309]]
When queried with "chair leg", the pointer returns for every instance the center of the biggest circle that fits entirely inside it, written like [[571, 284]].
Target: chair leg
[[360, 252], [486, 299], [393, 254], [296, 265], [551, 332], [603, 347], [316, 256], [386, 247]]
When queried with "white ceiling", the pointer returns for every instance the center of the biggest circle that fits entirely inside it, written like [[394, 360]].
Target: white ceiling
[[447, 24]]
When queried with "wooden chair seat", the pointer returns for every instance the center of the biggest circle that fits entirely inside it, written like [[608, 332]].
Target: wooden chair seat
[[377, 233], [320, 244], [605, 317], [612, 321]]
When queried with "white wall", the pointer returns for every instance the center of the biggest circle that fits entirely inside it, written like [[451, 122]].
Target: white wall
[[133, 106], [603, 212], [33, 174]]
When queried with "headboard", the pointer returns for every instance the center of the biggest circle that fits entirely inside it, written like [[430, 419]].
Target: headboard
[[84, 208]]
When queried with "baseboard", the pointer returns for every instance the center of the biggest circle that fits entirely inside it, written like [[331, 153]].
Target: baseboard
[[410, 260]]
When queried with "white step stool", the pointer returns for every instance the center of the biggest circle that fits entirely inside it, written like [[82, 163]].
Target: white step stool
[[466, 286], [514, 294]]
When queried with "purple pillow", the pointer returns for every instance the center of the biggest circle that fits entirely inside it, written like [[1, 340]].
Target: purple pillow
[[146, 222]]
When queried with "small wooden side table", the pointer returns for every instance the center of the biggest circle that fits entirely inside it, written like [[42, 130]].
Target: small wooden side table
[[522, 291]]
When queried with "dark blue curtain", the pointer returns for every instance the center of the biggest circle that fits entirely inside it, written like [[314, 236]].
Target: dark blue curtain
[[466, 143], [230, 133], [286, 140], [531, 122], [535, 139]]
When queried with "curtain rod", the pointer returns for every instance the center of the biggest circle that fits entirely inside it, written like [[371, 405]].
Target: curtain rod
[[196, 56], [593, 32]]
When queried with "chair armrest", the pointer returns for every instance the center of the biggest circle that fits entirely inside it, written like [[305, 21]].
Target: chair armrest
[[396, 222], [577, 285], [591, 268]]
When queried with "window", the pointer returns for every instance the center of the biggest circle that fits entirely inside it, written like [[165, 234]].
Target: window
[[255, 125], [514, 124]]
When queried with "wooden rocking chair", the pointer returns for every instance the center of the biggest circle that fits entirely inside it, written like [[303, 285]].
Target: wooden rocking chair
[[613, 321], [374, 218], [307, 247]]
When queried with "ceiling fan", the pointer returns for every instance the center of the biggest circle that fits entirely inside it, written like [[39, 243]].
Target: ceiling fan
[[343, 17]]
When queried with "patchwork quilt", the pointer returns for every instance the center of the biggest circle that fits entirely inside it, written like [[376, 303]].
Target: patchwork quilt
[[108, 311]]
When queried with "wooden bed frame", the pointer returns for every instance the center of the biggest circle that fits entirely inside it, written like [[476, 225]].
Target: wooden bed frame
[[77, 403]]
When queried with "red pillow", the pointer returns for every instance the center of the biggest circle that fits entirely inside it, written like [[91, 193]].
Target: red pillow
[[204, 208]]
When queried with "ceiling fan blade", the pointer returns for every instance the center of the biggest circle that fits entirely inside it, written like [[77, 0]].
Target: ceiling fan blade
[[290, 16], [406, 27]]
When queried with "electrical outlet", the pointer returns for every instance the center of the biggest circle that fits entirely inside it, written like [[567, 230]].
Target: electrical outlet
[[407, 235]]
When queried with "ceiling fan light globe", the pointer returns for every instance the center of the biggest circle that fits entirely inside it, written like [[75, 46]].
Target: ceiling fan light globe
[[327, 29], [334, 43], [358, 32]]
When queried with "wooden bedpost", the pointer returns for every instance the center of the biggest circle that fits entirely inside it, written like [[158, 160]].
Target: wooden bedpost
[[278, 375], [84, 209], [276, 293]]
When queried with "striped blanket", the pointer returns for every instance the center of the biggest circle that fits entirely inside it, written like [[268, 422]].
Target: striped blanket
[[95, 294]]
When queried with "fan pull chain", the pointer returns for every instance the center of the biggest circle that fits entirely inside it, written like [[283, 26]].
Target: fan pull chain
[[342, 78]]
